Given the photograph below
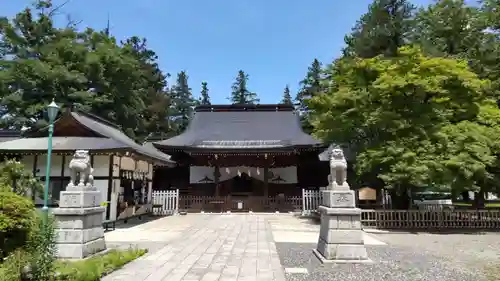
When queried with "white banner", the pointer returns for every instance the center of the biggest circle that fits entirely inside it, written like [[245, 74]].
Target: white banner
[[201, 174]]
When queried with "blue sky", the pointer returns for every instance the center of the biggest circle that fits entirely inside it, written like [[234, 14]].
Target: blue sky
[[274, 41]]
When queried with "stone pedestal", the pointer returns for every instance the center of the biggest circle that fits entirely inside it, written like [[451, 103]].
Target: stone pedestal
[[79, 231], [341, 237]]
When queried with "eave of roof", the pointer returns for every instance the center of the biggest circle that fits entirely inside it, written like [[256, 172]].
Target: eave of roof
[[108, 138], [117, 135], [8, 135], [60, 144]]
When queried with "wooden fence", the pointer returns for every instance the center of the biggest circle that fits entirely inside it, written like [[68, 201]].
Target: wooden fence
[[424, 219], [239, 204], [165, 202]]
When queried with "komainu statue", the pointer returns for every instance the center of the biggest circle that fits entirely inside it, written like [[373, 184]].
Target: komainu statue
[[338, 168], [80, 165]]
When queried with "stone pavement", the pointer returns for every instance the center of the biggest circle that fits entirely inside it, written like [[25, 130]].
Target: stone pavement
[[222, 247]]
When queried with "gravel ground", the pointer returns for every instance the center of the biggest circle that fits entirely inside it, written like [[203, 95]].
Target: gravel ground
[[472, 248], [390, 264], [474, 251]]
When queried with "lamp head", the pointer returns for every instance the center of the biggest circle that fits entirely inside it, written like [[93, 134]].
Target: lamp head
[[52, 111]]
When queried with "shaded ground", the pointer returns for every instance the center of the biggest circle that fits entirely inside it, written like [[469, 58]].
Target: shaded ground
[[473, 252]]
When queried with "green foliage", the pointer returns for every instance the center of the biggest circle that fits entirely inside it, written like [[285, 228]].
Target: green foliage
[[16, 221], [42, 249], [458, 35], [14, 176], [412, 119], [240, 93], [205, 98], [382, 30], [287, 98], [311, 86], [90, 269], [118, 81], [94, 268], [183, 102], [11, 269]]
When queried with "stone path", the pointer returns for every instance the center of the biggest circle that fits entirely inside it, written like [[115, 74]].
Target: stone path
[[215, 247]]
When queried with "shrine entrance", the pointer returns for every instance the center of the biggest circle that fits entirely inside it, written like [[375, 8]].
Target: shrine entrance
[[241, 185]]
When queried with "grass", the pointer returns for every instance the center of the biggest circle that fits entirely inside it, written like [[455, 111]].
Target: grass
[[94, 268], [91, 269], [487, 205]]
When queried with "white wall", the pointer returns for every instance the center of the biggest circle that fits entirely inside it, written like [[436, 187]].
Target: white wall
[[198, 173], [101, 167]]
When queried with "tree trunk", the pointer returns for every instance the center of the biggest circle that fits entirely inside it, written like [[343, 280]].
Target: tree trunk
[[399, 197], [479, 200]]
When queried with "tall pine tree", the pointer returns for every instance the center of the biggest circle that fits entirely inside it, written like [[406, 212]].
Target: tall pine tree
[[205, 98], [183, 102], [382, 30], [310, 87], [449, 28], [239, 91], [157, 97], [287, 98]]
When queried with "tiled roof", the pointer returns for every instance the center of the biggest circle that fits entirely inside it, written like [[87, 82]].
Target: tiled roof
[[107, 136], [240, 128]]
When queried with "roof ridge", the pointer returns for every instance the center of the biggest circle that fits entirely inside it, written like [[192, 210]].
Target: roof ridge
[[97, 118], [244, 107], [10, 133]]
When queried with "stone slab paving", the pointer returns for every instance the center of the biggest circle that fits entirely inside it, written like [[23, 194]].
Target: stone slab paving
[[225, 247]]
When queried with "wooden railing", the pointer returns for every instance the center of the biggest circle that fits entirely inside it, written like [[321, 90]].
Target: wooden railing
[[241, 204], [418, 219]]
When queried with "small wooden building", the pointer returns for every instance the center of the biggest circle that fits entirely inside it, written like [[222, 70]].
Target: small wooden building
[[243, 152], [123, 169]]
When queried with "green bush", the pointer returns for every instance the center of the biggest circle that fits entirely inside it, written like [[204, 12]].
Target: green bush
[[94, 268], [36, 258], [42, 249], [12, 267], [14, 176], [17, 217]]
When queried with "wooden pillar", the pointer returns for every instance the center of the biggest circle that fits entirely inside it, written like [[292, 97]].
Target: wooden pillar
[[266, 179], [216, 179]]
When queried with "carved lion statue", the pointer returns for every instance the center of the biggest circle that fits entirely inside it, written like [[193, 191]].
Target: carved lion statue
[[80, 165], [338, 168]]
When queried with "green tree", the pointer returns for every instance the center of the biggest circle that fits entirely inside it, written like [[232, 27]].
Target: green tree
[[405, 119], [287, 98], [449, 28], [453, 28], [40, 62], [239, 91], [205, 98], [183, 102], [310, 86], [382, 30], [157, 98]]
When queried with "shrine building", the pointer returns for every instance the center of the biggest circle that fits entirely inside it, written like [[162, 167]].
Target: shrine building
[[242, 152]]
